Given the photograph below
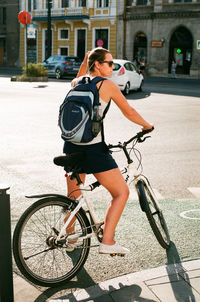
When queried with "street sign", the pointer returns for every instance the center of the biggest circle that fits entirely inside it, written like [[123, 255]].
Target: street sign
[[100, 43], [24, 17], [198, 44], [31, 31]]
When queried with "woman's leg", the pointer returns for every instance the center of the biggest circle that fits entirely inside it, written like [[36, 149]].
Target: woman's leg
[[73, 192], [114, 182]]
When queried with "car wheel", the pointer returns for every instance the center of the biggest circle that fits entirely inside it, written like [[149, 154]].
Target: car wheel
[[127, 89], [58, 74], [140, 88]]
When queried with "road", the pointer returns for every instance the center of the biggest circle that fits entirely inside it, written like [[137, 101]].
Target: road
[[30, 138]]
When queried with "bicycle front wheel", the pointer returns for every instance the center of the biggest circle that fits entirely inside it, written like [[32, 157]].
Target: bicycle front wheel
[[37, 256], [153, 212]]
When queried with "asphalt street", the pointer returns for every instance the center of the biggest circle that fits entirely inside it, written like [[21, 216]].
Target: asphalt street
[[30, 138]]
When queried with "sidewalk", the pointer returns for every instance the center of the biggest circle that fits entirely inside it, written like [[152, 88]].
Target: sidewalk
[[171, 283]]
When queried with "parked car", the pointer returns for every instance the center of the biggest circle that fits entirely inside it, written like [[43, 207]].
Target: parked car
[[59, 66], [126, 76]]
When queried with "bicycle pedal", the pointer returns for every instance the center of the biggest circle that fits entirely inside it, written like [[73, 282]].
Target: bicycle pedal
[[116, 254], [112, 255], [121, 255]]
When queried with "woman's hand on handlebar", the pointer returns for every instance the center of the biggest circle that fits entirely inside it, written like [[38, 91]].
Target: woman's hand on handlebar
[[148, 128]]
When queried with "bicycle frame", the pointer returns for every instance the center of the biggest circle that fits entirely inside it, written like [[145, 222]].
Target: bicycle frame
[[130, 177]]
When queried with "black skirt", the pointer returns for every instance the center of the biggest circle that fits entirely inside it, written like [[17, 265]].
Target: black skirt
[[97, 157]]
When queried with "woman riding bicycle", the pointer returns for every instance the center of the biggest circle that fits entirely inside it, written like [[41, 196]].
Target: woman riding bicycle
[[98, 161]]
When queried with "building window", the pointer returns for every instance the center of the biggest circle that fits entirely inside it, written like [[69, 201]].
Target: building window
[[141, 2], [63, 34], [29, 6], [64, 51], [4, 20], [82, 3], [34, 4], [102, 3], [65, 3]]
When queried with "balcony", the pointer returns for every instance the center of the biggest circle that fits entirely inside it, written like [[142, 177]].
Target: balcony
[[61, 14]]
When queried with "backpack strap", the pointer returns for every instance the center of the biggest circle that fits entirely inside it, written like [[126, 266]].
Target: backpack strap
[[102, 127]]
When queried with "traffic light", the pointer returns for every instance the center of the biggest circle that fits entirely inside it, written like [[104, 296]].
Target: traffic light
[[178, 51]]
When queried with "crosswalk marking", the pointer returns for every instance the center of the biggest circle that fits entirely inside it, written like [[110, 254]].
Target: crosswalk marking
[[195, 191]]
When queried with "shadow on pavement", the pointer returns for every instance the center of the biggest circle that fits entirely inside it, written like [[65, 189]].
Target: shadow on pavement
[[181, 291], [184, 87], [83, 281]]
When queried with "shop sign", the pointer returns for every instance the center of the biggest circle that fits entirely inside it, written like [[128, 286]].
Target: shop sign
[[156, 43]]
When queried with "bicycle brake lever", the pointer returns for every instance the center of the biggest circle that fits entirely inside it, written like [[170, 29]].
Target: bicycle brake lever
[[141, 140]]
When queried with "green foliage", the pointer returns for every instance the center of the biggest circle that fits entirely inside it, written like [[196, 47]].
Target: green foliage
[[34, 70]]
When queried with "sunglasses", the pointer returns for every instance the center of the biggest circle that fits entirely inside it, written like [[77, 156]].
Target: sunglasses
[[110, 63]]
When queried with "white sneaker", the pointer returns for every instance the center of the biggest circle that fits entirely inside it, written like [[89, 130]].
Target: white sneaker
[[112, 249]]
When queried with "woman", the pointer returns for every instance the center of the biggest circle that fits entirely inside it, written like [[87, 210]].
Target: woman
[[98, 160]]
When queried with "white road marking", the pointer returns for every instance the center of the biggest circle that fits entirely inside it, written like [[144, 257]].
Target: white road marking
[[184, 214], [195, 191]]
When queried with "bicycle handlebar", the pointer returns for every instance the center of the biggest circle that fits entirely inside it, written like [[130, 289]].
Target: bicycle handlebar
[[138, 136]]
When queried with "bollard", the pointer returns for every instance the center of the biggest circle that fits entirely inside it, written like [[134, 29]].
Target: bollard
[[6, 273]]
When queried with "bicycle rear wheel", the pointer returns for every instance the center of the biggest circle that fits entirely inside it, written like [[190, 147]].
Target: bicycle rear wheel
[[153, 212], [38, 260]]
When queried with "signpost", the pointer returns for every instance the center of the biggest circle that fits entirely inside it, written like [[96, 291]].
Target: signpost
[[25, 18]]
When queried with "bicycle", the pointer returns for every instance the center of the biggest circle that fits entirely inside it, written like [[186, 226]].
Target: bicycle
[[48, 255]]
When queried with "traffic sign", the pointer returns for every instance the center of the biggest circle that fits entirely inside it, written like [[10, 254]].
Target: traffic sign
[[24, 17], [198, 44], [31, 28], [100, 43]]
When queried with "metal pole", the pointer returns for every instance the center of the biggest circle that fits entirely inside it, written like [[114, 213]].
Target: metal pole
[[49, 30], [26, 54], [6, 273]]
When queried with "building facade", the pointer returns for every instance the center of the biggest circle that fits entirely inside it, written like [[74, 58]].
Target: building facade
[[161, 31], [76, 26], [9, 33], [157, 31]]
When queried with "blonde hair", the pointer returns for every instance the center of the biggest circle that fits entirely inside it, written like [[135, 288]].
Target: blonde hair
[[97, 54]]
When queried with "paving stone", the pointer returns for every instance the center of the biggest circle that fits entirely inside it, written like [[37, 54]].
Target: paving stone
[[23, 289], [175, 291], [191, 265], [136, 292], [193, 278]]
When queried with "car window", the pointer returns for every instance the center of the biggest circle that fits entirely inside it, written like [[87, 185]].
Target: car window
[[56, 58], [49, 60], [73, 59], [127, 66], [116, 66], [132, 67]]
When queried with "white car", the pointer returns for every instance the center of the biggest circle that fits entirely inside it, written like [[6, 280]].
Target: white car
[[126, 76]]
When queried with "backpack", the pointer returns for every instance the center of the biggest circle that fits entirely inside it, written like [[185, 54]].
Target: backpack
[[79, 120]]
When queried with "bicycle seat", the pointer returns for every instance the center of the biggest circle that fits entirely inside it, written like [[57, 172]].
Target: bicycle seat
[[71, 162]]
